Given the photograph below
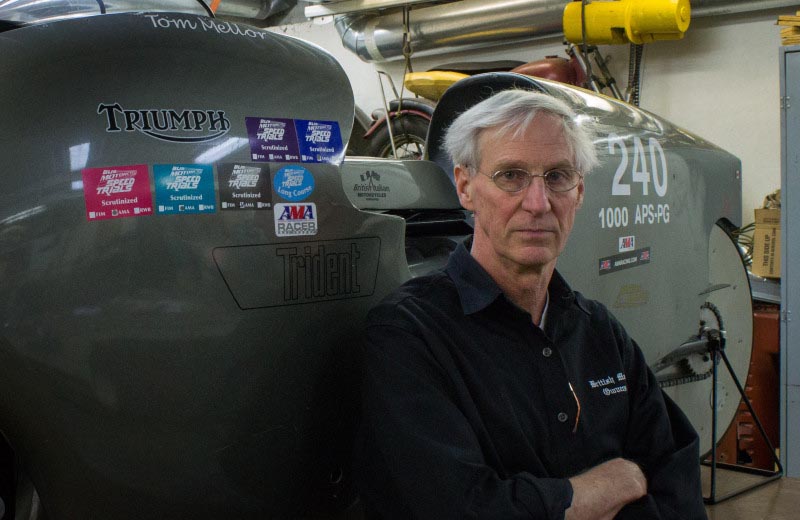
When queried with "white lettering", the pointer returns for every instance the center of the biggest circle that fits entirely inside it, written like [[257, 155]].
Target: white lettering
[[657, 173]]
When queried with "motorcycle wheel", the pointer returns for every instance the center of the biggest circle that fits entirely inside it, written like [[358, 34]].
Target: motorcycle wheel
[[409, 139]]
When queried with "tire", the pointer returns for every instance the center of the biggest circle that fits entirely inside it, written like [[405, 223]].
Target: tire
[[409, 138], [357, 144]]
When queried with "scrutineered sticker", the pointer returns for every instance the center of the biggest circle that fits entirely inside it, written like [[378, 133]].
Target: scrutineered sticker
[[117, 192], [320, 141], [244, 186], [184, 188], [295, 220], [272, 139], [293, 183]]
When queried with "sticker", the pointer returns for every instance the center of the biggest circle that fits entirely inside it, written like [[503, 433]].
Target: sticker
[[320, 141], [622, 261], [244, 186], [371, 189], [295, 220], [184, 188], [293, 183], [117, 192], [627, 244], [272, 140]]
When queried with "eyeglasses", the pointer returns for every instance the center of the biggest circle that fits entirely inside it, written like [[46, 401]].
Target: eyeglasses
[[516, 179]]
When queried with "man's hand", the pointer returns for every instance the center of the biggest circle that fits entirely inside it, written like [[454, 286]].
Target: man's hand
[[602, 491]]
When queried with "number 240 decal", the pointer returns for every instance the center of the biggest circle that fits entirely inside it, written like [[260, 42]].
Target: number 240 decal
[[642, 171]]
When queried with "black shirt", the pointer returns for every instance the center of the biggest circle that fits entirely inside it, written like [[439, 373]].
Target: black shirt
[[468, 410]]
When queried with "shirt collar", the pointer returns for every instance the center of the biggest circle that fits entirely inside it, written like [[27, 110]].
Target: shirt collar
[[544, 311], [477, 289]]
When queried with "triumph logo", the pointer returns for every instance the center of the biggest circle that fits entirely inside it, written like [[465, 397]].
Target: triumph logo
[[167, 124]]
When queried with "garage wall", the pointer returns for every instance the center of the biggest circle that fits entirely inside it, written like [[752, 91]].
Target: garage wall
[[720, 82]]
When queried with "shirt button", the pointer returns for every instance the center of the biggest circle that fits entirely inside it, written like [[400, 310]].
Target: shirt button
[[562, 417], [547, 352]]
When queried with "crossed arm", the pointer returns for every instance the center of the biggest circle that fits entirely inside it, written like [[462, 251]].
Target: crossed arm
[[601, 492]]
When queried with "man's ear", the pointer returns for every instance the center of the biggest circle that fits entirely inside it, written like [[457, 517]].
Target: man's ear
[[464, 186], [581, 188]]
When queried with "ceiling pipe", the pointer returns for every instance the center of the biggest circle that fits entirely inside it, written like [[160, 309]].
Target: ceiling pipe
[[471, 24]]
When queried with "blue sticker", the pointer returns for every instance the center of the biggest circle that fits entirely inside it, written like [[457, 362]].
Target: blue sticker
[[320, 141], [184, 188], [293, 183]]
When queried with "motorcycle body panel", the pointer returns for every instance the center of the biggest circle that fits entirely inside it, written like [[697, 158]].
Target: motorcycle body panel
[[184, 363]]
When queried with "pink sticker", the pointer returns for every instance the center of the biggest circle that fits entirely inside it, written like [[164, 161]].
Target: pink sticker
[[117, 192]]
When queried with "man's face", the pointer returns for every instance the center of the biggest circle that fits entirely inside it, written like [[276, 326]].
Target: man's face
[[527, 229]]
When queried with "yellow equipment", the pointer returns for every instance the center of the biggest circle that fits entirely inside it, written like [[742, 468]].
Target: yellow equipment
[[432, 84], [627, 21]]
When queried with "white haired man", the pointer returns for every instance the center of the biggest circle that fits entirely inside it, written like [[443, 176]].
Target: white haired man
[[483, 392]]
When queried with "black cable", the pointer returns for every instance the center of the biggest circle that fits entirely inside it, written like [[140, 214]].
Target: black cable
[[208, 9], [717, 316], [407, 51], [584, 46], [102, 6], [635, 73]]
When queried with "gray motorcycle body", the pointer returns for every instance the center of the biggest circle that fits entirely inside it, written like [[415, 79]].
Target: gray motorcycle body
[[179, 363]]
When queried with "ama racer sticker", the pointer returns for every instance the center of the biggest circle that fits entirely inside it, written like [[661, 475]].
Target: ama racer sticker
[[117, 192], [293, 183], [294, 220]]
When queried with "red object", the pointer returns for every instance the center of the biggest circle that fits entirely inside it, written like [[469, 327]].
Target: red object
[[553, 68], [117, 192], [742, 443]]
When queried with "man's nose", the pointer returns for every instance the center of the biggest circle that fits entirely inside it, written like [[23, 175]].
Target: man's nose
[[536, 197]]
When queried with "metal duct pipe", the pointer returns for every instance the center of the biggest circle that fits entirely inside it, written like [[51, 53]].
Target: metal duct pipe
[[470, 24], [459, 25], [254, 12]]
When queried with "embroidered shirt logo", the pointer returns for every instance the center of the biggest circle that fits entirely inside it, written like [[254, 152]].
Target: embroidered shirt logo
[[610, 385]]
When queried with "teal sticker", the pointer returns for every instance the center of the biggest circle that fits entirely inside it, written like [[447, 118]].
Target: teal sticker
[[184, 188]]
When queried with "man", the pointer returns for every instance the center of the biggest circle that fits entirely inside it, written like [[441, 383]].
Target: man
[[491, 389]]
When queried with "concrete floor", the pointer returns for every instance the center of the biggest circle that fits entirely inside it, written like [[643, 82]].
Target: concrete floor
[[778, 500]]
